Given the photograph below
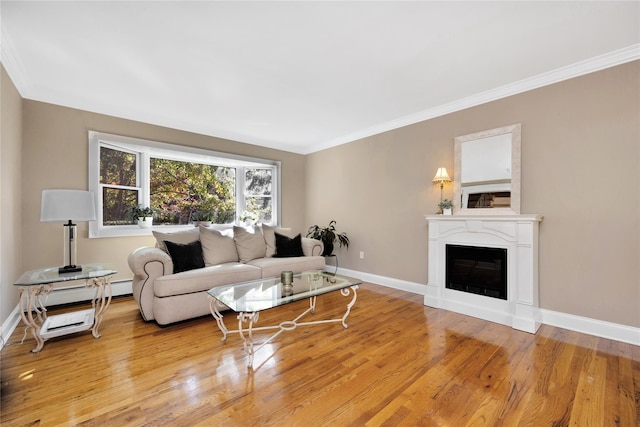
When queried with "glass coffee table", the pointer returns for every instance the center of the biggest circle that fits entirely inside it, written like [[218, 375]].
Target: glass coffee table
[[248, 299]]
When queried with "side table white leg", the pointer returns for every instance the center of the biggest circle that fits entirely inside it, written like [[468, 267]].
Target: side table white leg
[[30, 302], [101, 300]]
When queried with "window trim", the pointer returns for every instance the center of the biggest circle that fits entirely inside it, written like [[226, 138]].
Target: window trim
[[178, 152]]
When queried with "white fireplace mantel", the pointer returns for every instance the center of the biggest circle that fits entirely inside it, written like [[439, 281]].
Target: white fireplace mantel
[[516, 233]]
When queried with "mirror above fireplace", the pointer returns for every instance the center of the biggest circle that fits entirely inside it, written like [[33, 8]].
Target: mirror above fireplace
[[487, 172]]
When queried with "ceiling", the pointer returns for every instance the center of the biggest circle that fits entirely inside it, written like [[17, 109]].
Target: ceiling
[[303, 76]]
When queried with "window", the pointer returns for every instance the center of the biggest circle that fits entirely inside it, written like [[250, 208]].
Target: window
[[180, 184]]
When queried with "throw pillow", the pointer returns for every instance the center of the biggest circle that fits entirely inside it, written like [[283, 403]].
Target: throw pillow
[[249, 243], [218, 247], [185, 256], [270, 237], [188, 235], [288, 247]]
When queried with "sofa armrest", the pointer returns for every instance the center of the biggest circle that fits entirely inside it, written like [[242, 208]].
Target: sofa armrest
[[312, 247], [147, 264]]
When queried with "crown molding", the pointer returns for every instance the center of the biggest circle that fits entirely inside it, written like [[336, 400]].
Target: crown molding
[[608, 60], [16, 72], [13, 65]]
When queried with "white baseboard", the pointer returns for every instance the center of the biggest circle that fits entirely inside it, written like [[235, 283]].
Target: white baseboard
[[390, 282], [61, 296], [585, 325], [9, 325]]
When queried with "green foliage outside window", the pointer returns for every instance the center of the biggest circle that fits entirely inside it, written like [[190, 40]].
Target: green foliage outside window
[[182, 192], [118, 174]]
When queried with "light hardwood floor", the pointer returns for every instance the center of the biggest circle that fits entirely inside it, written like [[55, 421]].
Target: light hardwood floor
[[398, 363]]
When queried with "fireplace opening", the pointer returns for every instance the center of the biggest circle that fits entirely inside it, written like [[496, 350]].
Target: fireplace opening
[[477, 270]]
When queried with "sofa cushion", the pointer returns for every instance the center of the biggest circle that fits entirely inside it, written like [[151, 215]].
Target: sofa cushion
[[218, 247], [185, 257], [249, 243], [185, 236], [288, 247], [269, 234], [204, 279], [272, 267]]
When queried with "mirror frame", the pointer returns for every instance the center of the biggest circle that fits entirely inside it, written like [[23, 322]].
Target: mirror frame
[[515, 131]]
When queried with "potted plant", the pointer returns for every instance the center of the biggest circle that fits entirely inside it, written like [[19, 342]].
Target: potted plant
[[446, 205], [328, 235], [202, 217], [144, 216]]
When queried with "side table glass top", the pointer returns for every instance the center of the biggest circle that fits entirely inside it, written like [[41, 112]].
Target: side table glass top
[[263, 294], [43, 276]]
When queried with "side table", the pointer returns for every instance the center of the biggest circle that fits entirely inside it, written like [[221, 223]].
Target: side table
[[35, 284], [334, 256]]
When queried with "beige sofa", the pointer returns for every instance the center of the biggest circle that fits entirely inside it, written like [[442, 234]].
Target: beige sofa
[[228, 256]]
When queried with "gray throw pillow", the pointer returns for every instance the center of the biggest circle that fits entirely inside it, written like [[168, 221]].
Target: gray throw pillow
[[218, 247], [183, 237], [249, 243]]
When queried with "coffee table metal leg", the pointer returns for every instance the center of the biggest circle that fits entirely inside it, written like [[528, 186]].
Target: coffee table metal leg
[[312, 305], [345, 293], [213, 305], [248, 339]]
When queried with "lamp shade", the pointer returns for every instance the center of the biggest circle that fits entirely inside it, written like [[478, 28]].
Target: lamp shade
[[441, 176], [65, 205]]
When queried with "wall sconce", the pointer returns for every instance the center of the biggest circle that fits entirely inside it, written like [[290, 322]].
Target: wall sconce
[[61, 205], [441, 177]]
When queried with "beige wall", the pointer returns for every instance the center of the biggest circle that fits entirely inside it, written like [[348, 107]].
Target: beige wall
[[580, 169], [10, 178], [55, 149], [574, 135]]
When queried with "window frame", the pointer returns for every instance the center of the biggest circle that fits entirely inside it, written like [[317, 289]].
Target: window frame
[[148, 149]]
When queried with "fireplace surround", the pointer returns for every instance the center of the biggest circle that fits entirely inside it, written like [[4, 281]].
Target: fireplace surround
[[518, 235]]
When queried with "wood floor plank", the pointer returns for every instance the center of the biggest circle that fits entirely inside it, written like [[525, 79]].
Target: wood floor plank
[[398, 363]]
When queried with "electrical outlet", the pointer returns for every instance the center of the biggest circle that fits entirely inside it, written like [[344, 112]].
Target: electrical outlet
[[361, 254]]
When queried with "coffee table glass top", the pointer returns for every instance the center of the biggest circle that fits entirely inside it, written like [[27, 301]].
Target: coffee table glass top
[[50, 275], [263, 294]]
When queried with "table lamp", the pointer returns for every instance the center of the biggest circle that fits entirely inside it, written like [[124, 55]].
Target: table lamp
[[441, 177], [65, 205]]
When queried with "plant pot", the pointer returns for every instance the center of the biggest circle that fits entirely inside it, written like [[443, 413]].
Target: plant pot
[[145, 222], [447, 211], [328, 248]]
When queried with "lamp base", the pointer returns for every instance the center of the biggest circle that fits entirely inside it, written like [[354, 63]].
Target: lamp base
[[69, 269]]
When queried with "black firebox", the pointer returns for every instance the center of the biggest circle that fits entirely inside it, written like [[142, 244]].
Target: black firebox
[[477, 270]]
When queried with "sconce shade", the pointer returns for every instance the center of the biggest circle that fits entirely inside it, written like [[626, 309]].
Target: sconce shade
[[441, 176], [65, 205]]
